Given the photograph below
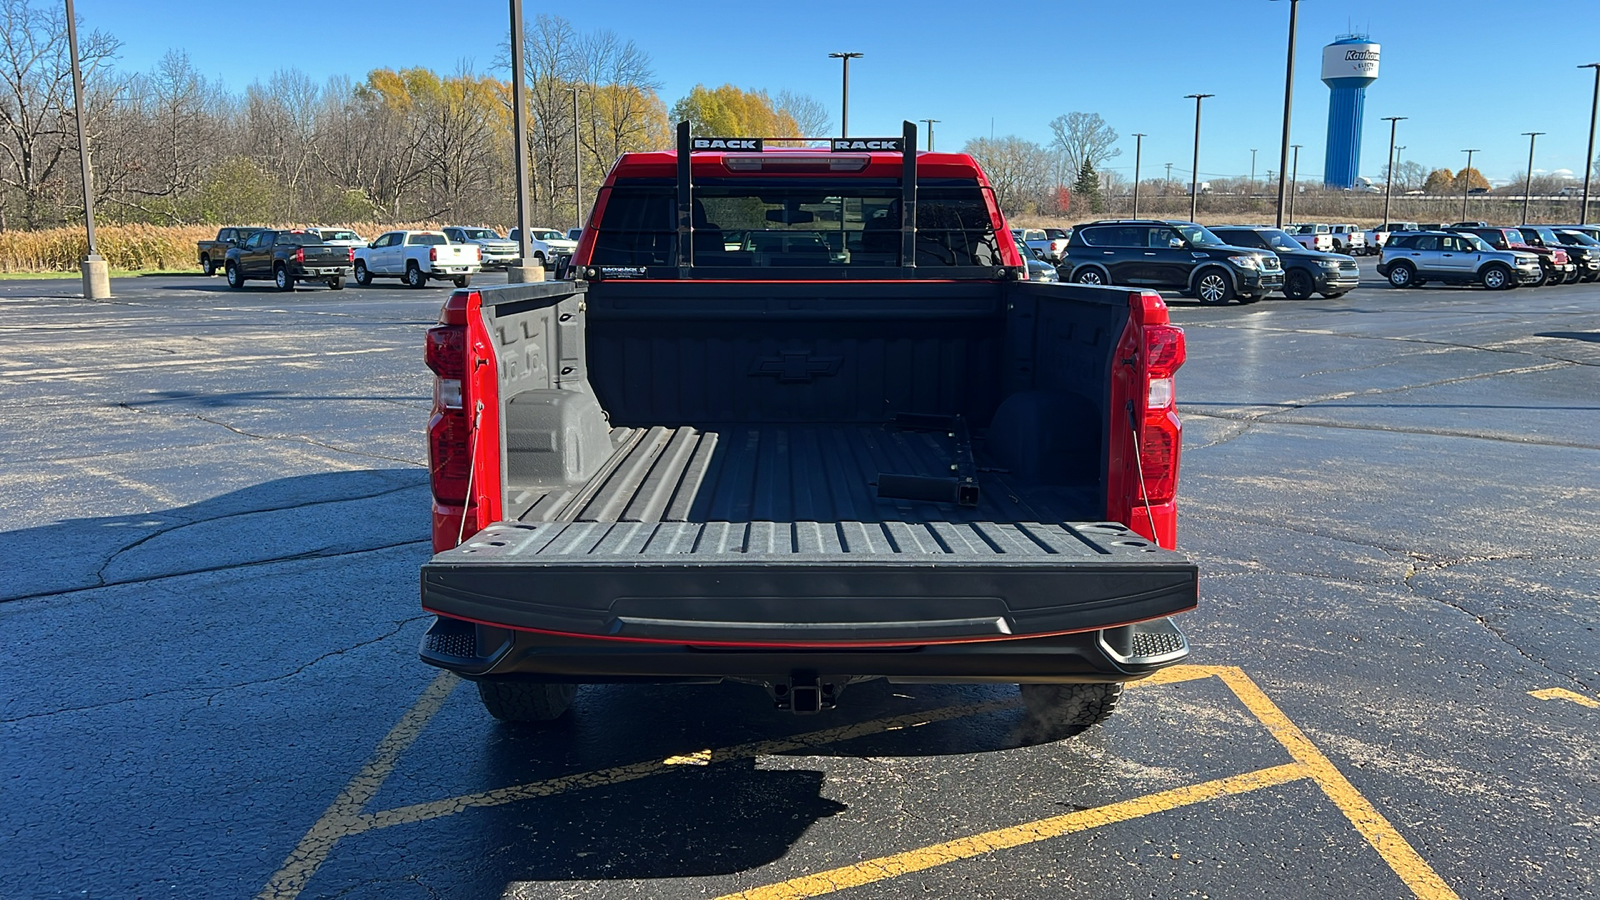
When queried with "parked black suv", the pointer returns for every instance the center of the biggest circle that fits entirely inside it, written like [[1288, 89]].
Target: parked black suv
[[1174, 255], [1305, 272]]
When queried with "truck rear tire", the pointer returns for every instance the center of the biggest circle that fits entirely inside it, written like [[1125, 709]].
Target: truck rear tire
[[282, 278], [1058, 711], [207, 266], [463, 280], [415, 277], [521, 701], [336, 283]]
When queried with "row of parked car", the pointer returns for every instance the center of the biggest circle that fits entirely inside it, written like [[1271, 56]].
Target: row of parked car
[[1219, 263], [330, 256], [1496, 257]]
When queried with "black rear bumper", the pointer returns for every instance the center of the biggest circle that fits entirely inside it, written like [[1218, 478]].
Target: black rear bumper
[[483, 652]]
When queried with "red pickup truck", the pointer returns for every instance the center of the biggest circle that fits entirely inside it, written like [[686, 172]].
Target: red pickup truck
[[800, 422]]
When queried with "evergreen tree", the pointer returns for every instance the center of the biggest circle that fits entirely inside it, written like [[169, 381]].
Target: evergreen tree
[[1087, 186]]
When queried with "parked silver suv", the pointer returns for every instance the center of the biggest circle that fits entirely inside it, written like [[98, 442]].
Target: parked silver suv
[[1412, 260]]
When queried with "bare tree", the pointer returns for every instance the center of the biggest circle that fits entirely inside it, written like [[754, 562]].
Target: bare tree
[[1081, 137], [36, 128], [809, 113], [1021, 171]]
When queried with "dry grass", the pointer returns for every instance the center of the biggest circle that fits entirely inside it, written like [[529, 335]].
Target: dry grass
[[137, 248]]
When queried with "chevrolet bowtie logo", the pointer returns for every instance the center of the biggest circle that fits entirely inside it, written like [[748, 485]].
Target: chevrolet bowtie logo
[[796, 367]]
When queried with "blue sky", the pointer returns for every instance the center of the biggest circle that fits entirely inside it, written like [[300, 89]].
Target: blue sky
[[1468, 73]]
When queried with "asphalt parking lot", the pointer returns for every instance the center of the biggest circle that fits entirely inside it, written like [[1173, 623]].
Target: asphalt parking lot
[[216, 503]]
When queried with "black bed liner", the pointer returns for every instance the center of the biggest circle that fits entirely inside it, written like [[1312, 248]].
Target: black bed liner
[[791, 473]]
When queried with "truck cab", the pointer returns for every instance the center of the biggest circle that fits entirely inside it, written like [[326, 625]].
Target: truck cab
[[798, 422]]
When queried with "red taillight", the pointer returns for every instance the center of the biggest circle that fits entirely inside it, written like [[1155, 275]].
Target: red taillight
[[449, 455], [450, 428], [1160, 432], [352, 254], [299, 254], [433, 254]]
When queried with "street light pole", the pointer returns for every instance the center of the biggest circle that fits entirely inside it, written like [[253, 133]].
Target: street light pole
[[577, 163], [1466, 182], [930, 123], [1588, 161], [1288, 97], [519, 130], [1138, 155], [1194, 175], [1527, 189], [844, 108], [1388, 187], [96, 277], [1294, 179]]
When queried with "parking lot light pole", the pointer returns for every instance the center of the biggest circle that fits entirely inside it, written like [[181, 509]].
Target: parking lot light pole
[[1288, 98], [1527, 189], [1466, 182], [96, 274], [1138, 154], [1588, 159], [1194, 174], [844, 108], [1388, 186], [577, 163], [519, 131], [1294, 178], [930, 123]]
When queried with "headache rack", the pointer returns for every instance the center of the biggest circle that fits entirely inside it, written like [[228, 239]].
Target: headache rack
[[906, 145]]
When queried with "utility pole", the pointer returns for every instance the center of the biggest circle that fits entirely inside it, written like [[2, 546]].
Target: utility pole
[[96, 274], [844, 108], [1288, 98], [1397, 152], [1527, 189], [1294, 179], [519, 129], [1388, 187], [930, 123], [1194, 176], [1252, 173], [1466, 182], [1138, 154], [577, 163], [1168, 186], [1588, 161]]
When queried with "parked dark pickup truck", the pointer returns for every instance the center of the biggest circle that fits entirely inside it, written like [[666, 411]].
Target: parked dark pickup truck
[[214, 253], [800, 422], [288, 257]]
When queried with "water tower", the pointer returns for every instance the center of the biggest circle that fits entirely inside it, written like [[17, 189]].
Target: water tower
[[1349, 64]]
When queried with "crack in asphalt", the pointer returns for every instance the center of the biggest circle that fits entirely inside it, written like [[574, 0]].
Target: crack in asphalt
[[1412, 558], [293, 439], [246, 564], [399, 626]]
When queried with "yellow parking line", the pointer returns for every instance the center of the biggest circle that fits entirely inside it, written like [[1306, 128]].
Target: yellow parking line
[[422, 812], [899, 864], [1564, 694], [1401, 857], [313, 849]]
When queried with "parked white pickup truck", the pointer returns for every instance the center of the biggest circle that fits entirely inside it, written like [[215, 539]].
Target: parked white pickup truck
[[416, 256], [1348, 238], [546, 244], [1053, 248]]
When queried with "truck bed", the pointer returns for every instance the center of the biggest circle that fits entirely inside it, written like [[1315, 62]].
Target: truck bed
[[671, 472]]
